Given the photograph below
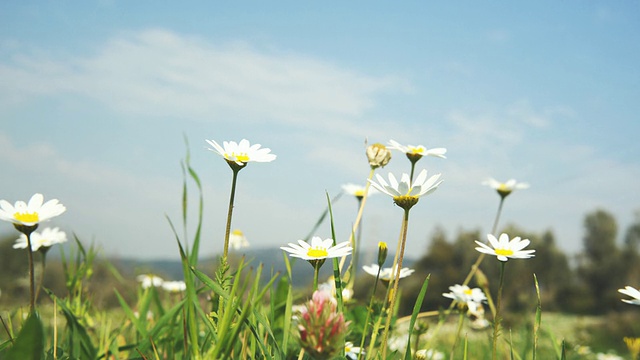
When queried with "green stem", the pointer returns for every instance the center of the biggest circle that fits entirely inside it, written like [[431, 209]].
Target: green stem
[[32, 293], [44, 261], [413, 168], [369, 311], [496, 320], [230, 213], [316, 271], [356, 225], [394, 292], [475, 266]]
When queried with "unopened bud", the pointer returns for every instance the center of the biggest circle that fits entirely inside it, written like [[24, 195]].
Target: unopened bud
[[378, 155], [382, 253], [481, 279]]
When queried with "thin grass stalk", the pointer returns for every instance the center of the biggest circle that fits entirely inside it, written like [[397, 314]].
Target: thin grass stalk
[[538, 321], [458, 331], [55, 330], [496, 320], [396, 268], [466, 347], [336, 266], [356, 224]]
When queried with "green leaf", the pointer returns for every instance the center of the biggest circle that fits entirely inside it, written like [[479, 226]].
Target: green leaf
[[29, 344], [414, 315]]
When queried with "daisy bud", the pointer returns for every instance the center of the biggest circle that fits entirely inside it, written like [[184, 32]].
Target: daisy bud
[[378, 155], [481, 279], [382, 253]]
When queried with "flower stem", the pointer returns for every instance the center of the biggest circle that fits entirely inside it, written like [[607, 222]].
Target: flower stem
[[472, 272], [496, 319], [394, 292], [316, 271], [356, 225], [230, 213], [44, 262], [369, 310], [475, 266], [32, 292]]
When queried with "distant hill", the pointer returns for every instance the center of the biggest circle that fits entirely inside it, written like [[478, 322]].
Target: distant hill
[[272, 259]]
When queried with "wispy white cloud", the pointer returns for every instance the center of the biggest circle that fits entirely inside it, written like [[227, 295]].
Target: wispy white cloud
[[160, 73]]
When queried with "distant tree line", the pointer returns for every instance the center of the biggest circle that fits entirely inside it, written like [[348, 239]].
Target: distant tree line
[[585, 283]]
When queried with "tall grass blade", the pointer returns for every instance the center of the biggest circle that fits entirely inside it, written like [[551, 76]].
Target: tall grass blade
[[29, 344], [538, 321], [414, 315]]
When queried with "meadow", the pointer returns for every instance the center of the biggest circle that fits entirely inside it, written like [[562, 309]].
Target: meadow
[[239, 309]]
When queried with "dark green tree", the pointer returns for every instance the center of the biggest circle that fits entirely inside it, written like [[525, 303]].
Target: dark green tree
[[602, 265]]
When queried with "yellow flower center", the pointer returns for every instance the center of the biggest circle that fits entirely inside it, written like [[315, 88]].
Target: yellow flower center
[[27, 217], [416, 150], [504, 252], [317, 252], [242, 157], [467, 291], [359, 193], [237, 232]]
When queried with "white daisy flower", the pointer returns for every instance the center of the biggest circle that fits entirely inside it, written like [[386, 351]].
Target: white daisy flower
[[44, 239], [386, 274], [149, 280], [357, 190], [243, 152], [318, 249], [505, 249], [465, 295], [505, 188], [420, 187], [634, 293], [417, 151], [174, 286], [352, 352], [32, 213], [237, 240]]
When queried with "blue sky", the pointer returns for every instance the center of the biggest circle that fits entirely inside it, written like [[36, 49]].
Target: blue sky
[[95, 99]]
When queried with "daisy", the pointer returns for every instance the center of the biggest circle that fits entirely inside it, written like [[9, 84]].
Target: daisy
[[505, 249], [149, 280], [32, 213], [465, 295], [241, 153], [420, 187], [357, 190], [386, 274], [504, 188], [318, 249], [45, 239], [416, 152], [237, 240], [634, 293], [406, 194], [352, 352], [174, 286]]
